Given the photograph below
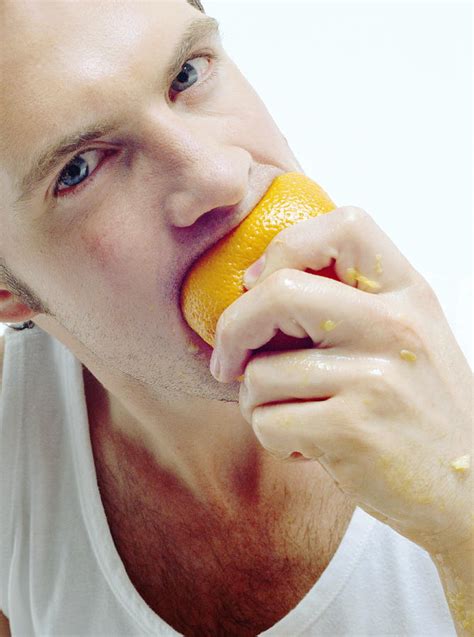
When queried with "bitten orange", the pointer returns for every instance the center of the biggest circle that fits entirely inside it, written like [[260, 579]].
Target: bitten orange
[[215, 280]]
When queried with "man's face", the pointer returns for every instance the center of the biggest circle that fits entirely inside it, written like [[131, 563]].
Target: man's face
[[106, 236]]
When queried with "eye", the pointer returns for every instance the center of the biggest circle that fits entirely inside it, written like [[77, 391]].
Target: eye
[[78, 170], [189, 74]]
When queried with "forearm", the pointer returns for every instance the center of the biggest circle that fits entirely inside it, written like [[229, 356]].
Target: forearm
[[456, 571]]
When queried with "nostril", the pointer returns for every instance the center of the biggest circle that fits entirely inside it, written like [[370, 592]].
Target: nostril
[[223, 210], [208, 218]]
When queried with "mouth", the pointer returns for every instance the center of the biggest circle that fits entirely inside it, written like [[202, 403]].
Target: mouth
[[218, 222], [214, 225], [228, 218]]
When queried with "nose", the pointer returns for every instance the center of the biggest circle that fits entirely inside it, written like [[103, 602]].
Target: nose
[[199, 169]]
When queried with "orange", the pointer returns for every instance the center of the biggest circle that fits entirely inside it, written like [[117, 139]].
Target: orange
[[215, 280]]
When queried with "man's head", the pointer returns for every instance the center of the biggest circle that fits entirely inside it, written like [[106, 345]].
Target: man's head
[[130, 143], [12, 282]]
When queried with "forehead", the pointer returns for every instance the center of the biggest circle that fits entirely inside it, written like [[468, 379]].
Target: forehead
[[60, 58]]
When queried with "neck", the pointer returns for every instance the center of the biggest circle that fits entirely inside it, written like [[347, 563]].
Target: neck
[[199, 450], [204, 445]]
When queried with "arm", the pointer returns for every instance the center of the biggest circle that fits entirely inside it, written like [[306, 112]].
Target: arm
[[456, 571], [384, 395]]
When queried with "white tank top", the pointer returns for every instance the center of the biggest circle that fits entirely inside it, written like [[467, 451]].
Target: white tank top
[[60, 573]]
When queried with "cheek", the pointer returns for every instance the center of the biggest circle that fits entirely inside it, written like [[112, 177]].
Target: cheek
[[113, 255], [112, 237], [128, 258], [100, 249]]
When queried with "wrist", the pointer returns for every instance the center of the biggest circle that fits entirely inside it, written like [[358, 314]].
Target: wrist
[[456, 570]]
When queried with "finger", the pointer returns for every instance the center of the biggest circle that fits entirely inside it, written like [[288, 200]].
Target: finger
[[308, 374], [324, 430], [298, 304], [364, 255], [304, 427], [329, 427]]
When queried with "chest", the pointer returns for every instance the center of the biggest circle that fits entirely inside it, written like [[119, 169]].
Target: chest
[[212, 577], [208, 573]]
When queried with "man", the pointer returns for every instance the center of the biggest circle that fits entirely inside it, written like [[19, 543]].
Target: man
[[136, 498]]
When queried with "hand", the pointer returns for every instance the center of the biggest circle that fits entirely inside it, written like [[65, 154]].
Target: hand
[[383, 397]]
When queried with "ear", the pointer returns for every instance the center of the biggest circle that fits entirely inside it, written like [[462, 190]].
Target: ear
[[12, 310]]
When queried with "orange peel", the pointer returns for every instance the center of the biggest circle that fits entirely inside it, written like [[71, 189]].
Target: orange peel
[[215, 279]]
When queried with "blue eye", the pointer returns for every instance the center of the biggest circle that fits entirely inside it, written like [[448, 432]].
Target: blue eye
[[78, 169], [189, 74]]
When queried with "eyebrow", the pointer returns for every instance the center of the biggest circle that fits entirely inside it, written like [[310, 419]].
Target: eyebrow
[[46, 160]]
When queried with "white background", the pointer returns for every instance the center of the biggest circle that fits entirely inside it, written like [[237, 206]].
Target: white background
[[375, 99]]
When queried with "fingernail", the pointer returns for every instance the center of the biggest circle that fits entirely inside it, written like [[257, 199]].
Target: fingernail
[[254, 271]]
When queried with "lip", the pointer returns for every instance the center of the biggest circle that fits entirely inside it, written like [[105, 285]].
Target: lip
[[217, 228], [245, 207], [221, 221]]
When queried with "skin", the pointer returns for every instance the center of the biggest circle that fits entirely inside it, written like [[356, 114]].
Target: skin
[[105, 268], [384, 397], [101, 271]]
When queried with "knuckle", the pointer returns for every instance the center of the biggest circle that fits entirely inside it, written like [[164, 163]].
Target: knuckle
[[410, 336], [282, 278], [407, 334], [377, 383], [398, 329], [285, 244], [345, 436], [342, 413], [424, 295], [381, 396], [354, 214]]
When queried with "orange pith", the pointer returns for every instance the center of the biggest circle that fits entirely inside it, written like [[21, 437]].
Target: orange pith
[[215, 280]]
